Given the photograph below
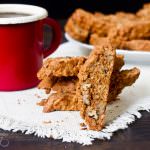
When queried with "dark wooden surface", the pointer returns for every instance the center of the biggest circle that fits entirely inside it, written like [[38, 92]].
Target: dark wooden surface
[[136, 137]]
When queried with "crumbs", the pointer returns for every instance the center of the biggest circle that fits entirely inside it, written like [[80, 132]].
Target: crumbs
[[36, 95], [47, 122], [20, 101], [83, 126]]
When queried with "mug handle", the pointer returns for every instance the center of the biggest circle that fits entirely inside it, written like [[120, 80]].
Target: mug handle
[[56, 39]]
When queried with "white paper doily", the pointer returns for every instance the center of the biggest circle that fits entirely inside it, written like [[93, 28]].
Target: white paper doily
[[19, 112]]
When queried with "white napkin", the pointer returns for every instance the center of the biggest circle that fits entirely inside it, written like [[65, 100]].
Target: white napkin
[[19, 112]]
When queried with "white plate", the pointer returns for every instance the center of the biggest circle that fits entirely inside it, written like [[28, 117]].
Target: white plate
[[130, 56], [84, 45]]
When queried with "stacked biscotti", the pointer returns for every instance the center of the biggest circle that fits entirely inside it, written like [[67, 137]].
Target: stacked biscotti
[[124, 30], [85, 84]]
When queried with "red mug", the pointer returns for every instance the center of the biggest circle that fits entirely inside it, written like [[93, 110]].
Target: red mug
[[21, 44]]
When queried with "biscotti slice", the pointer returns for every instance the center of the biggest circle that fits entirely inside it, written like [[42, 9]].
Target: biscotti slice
[[54, 69], [120, 80], [60, 101], [61, 66], [93, 88], [79, 24], [138, 45], [62, 96]]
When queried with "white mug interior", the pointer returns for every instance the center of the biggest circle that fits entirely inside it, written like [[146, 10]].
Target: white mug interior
[[34, 13]]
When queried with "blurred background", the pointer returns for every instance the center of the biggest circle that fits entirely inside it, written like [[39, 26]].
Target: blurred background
[[61, 9]]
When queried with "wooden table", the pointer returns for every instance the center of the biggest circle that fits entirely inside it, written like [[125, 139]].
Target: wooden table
[[136, 137]]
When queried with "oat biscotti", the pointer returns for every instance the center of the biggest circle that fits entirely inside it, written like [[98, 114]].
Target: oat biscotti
[[93, 88], [63, 66], [130, 30], [139, 45], [120, 80], [54, 68], [79, 24], [63, 96]]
